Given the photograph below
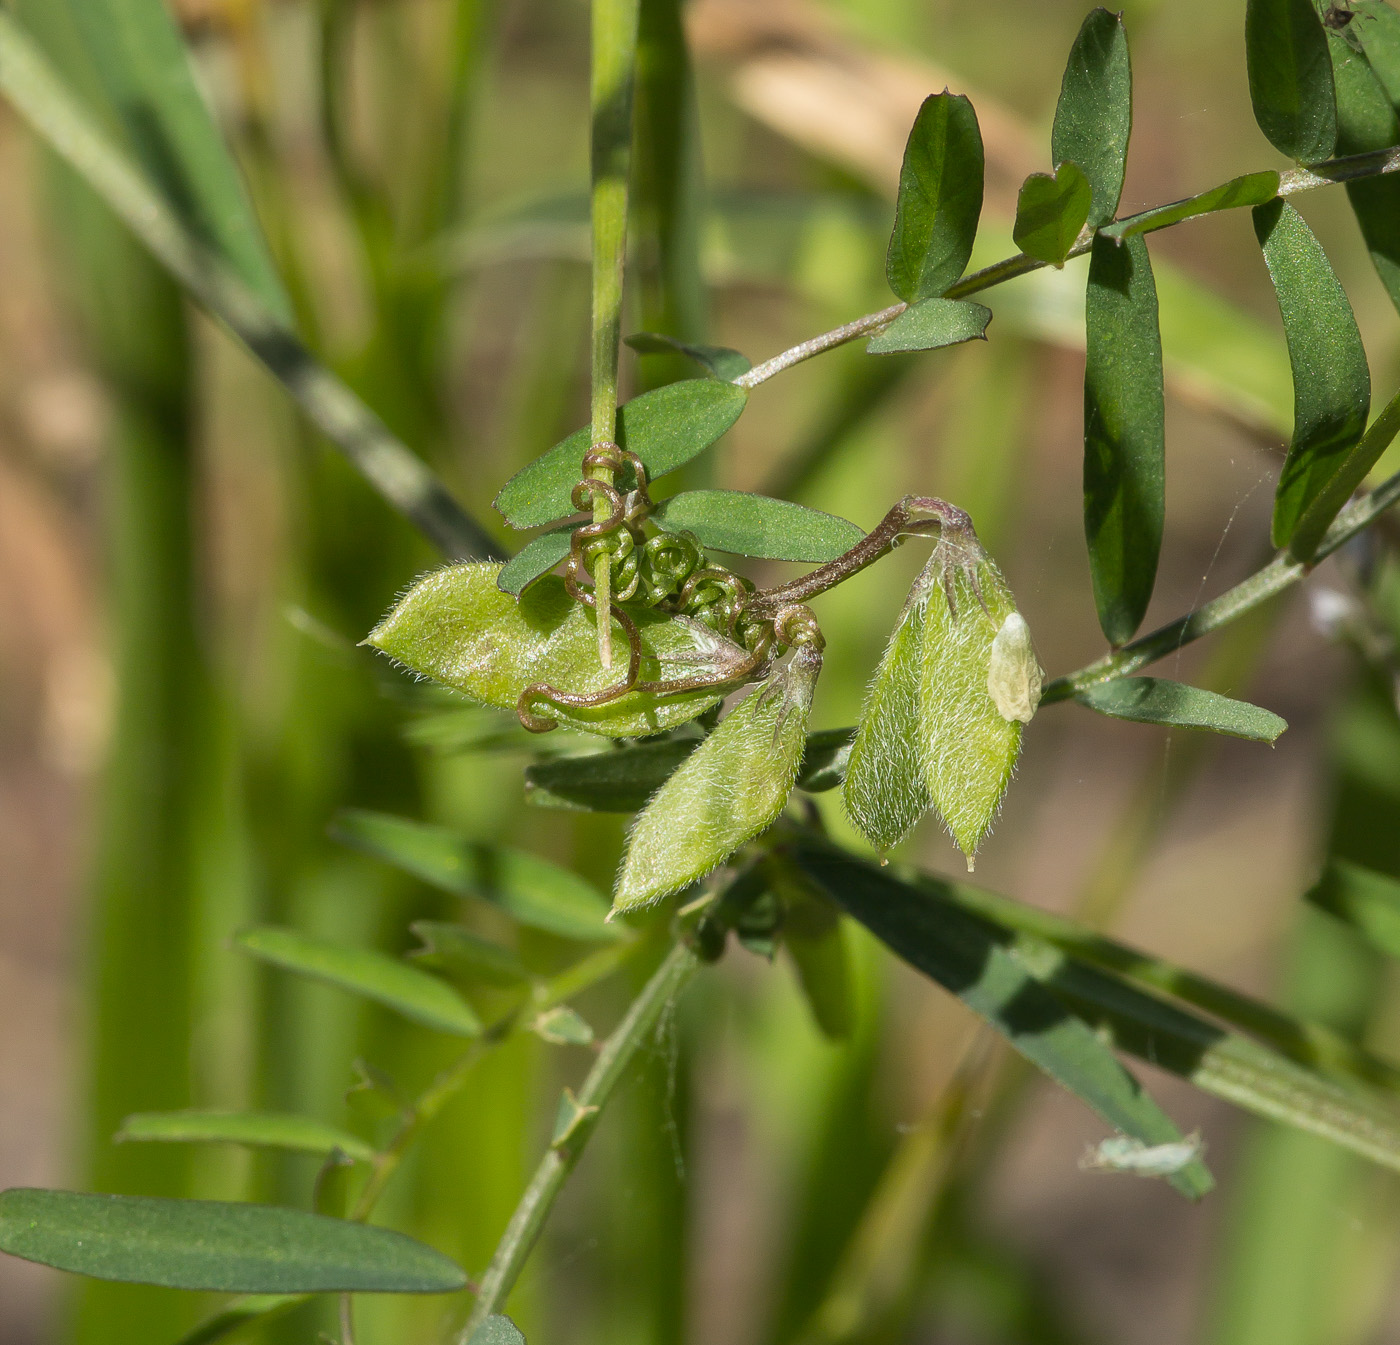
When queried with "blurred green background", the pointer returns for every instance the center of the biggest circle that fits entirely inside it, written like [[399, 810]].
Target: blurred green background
[[185, 570]]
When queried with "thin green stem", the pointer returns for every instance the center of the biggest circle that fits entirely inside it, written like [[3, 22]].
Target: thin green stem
[[614, 77], [1328, 173], [41, 97], [526, 1224]]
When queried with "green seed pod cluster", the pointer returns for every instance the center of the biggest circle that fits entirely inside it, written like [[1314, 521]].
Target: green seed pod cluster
[[942, 722], [732, 787]]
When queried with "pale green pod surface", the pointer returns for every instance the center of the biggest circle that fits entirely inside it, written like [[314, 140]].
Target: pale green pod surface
[[884, 791], [457, 627], [729, 789], [970, 747]]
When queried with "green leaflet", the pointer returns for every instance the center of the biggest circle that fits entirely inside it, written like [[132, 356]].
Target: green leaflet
[[1366, 900], [536, 558], [622, 780], [459, 952], [214, 1245], [138, 53], [813, 935], [1331, 380], [264, 1130], [1366, 120], [718, 361], [885, 792], [732, 787], [527, 888], [497, 1330], [1154, 700], [457, 627], [755, 525], [940, 199], [1377, 27], [665, 428], [363, 971], [1290, 78], [562, 1026], [1050, 212], [969, 748], [1124, 434], [979, 964], [1251, 189], [1094, 116], [931, 324]]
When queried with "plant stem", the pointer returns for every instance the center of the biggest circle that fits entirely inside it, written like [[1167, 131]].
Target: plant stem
[[40, 96], [1280, 573], [613, 80], [526, 1224], [1331, 171]]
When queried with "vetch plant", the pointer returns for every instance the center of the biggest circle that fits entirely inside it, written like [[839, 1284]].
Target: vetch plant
[[629, 617]]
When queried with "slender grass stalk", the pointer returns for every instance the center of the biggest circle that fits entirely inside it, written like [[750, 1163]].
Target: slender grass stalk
[[614, 76], [524, 1229], [40, 96]]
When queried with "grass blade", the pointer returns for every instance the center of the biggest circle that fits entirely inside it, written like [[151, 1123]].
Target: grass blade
[[940, 199], [1094, 116], [1363, 898], [214, 1245], [971, 959], [1124, 434], [1290, 78], [527, 888], [758, 525], [1331, 380], [260, 1130], [1154, 700], [404, 480], [363, 971]]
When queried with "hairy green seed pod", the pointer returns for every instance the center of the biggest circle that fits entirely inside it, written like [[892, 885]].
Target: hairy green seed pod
[[884, 790], [973, 698], [729, 789], [457, 627]]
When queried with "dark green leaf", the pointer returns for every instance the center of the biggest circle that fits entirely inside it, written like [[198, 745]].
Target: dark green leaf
[[527, 888], [720, 361], [1331, 381], [269, 1130], [815, 939], [620, 781], [1094, 116], [363, 971], [931, 324], [137, 51], [940, 199], [1366, 120], [756, 525], [970, 958], [1154, 700], [457, 627], [824, 761], [1124, 434], [665, 428], [451, 948], [1365, 899], [213, 1245], [1251, 189], [1050, 212], [497, 1330], [536, 558], [1290, 77]]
